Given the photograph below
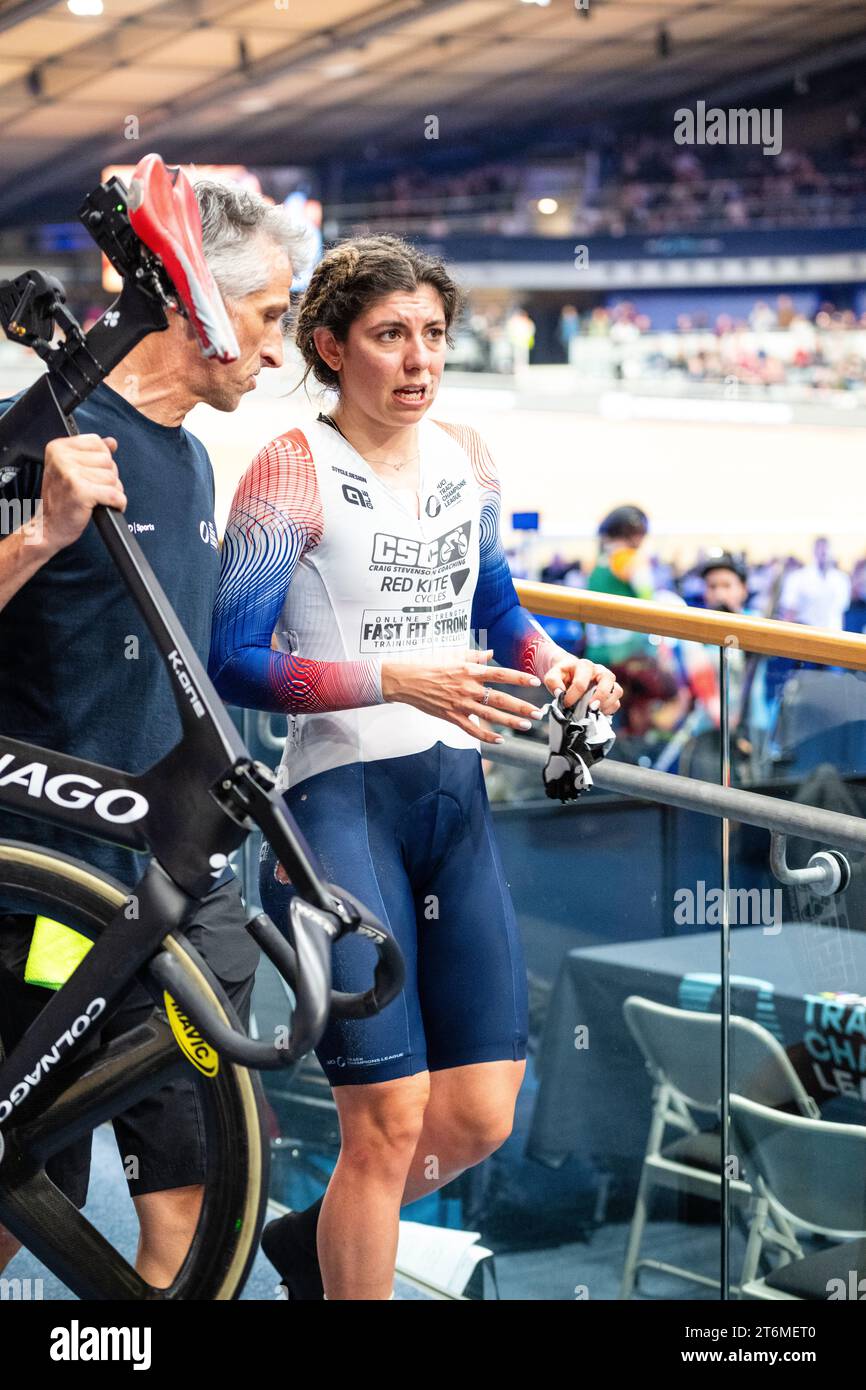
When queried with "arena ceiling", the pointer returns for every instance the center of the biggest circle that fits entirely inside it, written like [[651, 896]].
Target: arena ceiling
[[307, 81]]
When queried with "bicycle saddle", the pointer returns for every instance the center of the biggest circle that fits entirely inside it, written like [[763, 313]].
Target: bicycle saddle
[[164, 214]]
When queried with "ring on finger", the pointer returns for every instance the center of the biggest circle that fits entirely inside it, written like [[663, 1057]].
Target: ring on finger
[[486, 695]]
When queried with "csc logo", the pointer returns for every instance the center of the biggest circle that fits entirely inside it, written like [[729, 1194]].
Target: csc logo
[[395, 550], [455, 545]]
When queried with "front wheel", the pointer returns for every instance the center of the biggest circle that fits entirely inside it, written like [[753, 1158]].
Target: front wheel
[[104, 1083]]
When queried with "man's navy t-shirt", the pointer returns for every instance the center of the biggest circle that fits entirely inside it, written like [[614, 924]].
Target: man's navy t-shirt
[[79, 671]]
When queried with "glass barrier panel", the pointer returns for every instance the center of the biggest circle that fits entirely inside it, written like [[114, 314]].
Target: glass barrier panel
[[602, 1189], [797, 1026]]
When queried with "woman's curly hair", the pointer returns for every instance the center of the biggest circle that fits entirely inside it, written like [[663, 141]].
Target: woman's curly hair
[[351, 277]]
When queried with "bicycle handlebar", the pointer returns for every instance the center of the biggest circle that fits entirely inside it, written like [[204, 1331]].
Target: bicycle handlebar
[[388, 977], [257, 796], [306, 966], [313, 933]]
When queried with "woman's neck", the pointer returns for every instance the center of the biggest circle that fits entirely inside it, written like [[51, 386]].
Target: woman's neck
[[374, 441]]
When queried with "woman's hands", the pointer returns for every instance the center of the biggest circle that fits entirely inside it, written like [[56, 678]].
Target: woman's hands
[[455, 689], [574, 676]]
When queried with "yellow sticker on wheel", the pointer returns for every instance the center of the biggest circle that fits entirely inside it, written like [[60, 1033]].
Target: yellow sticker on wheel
[[55, 952], [190, 1040]]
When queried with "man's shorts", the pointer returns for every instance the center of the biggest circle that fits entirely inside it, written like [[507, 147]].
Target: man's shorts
[[412, 838], [164, 1132]]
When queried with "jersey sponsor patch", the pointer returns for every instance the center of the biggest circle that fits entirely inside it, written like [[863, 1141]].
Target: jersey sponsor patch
[[425, 585], [407, 629], [408, 552], [357, 495], [450, 491], [344, 473]]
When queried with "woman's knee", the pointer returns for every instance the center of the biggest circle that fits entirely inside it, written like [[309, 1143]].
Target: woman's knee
[[481, 1135], [475, 1128], [381, 1124]]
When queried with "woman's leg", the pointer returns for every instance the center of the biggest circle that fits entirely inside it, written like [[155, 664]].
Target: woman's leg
[[437, 878], [380, 1126], [468, 1116], [402, 1140]]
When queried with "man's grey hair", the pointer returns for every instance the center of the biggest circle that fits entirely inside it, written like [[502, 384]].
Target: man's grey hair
[[235, 221]]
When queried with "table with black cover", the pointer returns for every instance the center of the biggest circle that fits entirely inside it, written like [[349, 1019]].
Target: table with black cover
[[805, 983]]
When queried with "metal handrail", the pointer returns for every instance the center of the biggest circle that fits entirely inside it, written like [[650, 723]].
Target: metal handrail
[[768, 636], [710, 798]]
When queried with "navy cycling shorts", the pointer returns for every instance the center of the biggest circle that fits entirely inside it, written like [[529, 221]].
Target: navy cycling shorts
[[412, 837]]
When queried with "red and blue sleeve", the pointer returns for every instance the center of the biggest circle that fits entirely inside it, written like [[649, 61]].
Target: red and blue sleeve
[[276, 518], [498, 620]]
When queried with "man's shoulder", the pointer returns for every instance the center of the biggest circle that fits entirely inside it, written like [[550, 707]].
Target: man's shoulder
[[198, 447], [194, 441]]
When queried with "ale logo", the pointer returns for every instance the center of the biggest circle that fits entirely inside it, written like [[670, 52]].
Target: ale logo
[[190, 1040]]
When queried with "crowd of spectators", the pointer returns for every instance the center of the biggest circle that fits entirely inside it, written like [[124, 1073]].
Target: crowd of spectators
[[774, 344], [671, 710], [646, 185], [653, 186]]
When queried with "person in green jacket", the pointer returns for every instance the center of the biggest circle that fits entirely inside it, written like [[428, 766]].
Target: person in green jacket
[[621, 569]]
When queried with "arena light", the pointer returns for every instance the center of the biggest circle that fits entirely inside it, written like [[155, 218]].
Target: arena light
[[83, 8], [547, 206]]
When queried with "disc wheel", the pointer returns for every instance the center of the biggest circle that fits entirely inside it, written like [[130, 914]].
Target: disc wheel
[[105, 1083]]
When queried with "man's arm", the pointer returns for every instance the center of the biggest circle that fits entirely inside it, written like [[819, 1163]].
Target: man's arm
[[20, 558], [80, 473]]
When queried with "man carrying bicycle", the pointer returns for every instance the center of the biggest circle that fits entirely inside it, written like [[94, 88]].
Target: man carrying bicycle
[[79, 674]]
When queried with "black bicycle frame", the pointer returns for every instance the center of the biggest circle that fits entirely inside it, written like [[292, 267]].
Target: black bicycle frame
[[190, 810], [195, 806]]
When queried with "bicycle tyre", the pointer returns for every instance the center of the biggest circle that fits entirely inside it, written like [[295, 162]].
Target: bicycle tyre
[[226, 1239]]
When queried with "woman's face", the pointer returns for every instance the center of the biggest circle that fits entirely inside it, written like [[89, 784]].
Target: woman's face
[[392, 359]]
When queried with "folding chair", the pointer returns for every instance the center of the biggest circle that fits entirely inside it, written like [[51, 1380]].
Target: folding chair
[[810, 1175], [682, 1052]]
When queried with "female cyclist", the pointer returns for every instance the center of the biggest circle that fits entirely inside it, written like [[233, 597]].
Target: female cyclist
[[362, 561]]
